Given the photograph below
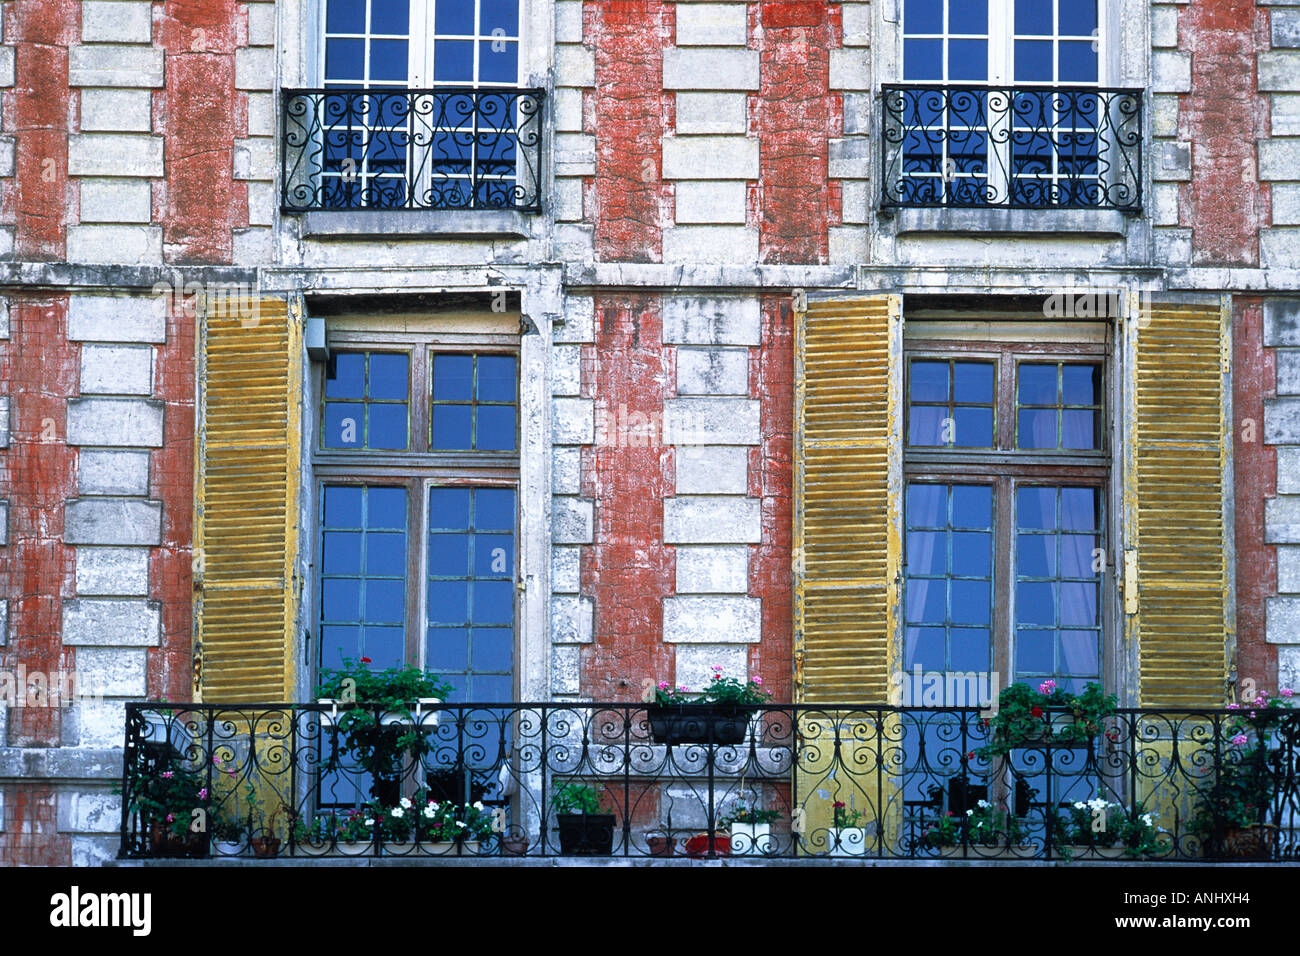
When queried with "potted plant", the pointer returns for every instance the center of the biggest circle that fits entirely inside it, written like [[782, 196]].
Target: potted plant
[[227, 835], [848, 835], [1046, 717], [317, 835], [263, 840], [1120, 834], [720, 714], [386, 716], [750, 829], [356, 832], [584, 830], [425, 825], [166, 802], [986, 832], [1232, 819]]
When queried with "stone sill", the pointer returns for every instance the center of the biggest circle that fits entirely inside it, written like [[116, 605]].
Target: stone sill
[[385, 224], [1080, 222]]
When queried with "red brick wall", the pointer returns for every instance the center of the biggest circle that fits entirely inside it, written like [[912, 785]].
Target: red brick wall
[[795, 115], [1221, 117], [31, 836]]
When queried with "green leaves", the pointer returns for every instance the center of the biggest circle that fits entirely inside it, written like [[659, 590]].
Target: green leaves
[[575, 798]]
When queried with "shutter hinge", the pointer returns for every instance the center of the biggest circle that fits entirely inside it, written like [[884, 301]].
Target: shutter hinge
[[1130, 582]]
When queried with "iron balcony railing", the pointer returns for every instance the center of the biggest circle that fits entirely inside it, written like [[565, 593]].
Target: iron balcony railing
[[213, 780], [1012, 147], [439, 148]]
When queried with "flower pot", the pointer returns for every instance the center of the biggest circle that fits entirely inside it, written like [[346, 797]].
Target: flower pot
[[585, 834], [449, 848], [723, 724], [312, 847], [264, 848], [422, 713], [1047, 735], [163, 842], [1086, 852], [224, 848], [661, 846], [355, 849], [751, 839], [848, 841], [1020, 851], [1254, 842], [699, 845], [514, 846]]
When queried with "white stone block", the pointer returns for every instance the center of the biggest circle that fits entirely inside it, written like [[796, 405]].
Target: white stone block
[[721, 201], [6, 66], [106, 622], [4, 639], [261, 114], [116, 21], [855, 201], [116, 111], [261, 24], [255, 68], [574, 66], [712, 620], [1288, 667], [1164, 27], [4, 421], [712, 24], [4, 318], [113, 318], [568, 21], [115, 65], [710, 157], [254, 158], [1288, 570], [118, 572], [712, 113], [566, 471], [566, 576], [1288, 471], [573, 421], [1171, 72], [101, 722], [712, 470], [1283, 620], [849, 158], [1288, 371], [1279, 159], [125, 245], [704, 570], [710, 69], [707, 519], [115, 154], [733, 244], [568, 200], [565, 669], [4, 522], [579, 320], [856, 18], [858, 108], [695, 663], [112, 521], [128, 422], [1286, 205], [571, 520], [712, 371], [568, 111], [112, 472], [252, 247], [1284, 114], [712, 421], [116, 200], [711, 320], [1278, 70], [112, 671], [116, 369], [850, 69], [1164, 115], [1279, 248], [89, 811], [571, 619]]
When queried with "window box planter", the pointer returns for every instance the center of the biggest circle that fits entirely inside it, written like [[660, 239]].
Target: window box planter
[[1254, 842], [975, 851], [265, 848], [163, 842], [1086, 852], [586, 834], [422, 713], [700, 844], [848, 841], [661, 846], [723, 724], [751, 839], [355, 849], [220, 849]]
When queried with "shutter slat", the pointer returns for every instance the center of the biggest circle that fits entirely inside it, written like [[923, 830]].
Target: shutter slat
[[1182, 626], [845, 529], [246, 516]]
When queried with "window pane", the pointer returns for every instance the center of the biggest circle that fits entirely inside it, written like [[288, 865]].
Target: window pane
[[1036, 555], [494, 602], [493, 649], [1077, 557], [387, 508], [925, 425], [1081, 384], [927, 506], [970, 602], [388, 60], [454, 17], [387, 427], [973, 427], [448, 602], [497, 379], [448, 555], [496, 428], [1078, 61], [452, 427], [923, 60], [1036, 429], [494, 509], [972, 506], [498, 61], [926, 552], [973, 382], [494, 556], [1037, 385], [1079, 604], [453, 378], [926, 601], [339, 642], [342, 507], [1035, 603], [385, 601], [972, 553], [453, 60], [341, 599], [971, 649], [341, 553], [968, 60], [1036, 507], [389, 375], [345, 59], [448, 649], [929, 382], [1034, 17], [499, 14], [923, 16], [968, 16], [449, 508], [1079, 430], [349, 379], [1078, 17], [924, 648], [1080, 509], [385, 554], [389, 16], [385, 646], [1079, 653], [345, 16], [1034, 651]]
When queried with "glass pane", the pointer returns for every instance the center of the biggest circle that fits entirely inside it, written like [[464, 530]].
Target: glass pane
[[973, 382], [1036, 428], [385, 553], [968, 16], [492, 649], [338, 642], [1036, 555], [454, 17], [1080, 509], [1037, 385], [927, 506], [496, 428], [1079, 430], [389, 16], [923, 16], [385, 601], [387, 508], [341, 552], [972, 506], [1079, 653], [345, 59], [923, 647], [1034, 652], [498, 61], [387, 427], [499, 15], [451, 427], [1034, 61], [929, 382], [1036, 507], [1035, 603], [447, 649], [345, 16], [1078, 603], [1078, 17], [341, 599], [385, 646], [494, 555], [926, 601], [926, 552], [344, 425], [970, 602], [1081, 384], [1077, 557], [448, 602], [449, 508], [453, 378], [1034, 17], [923, 60], [389, 375], [448, 555], [497, 379], [493, 602], [925, 425], [973, 427], [971, 649], [349, 379], [342, 507], [453, 61], [968, 60], [1078, 61], [388, 60], [972, 553], [494, 509]]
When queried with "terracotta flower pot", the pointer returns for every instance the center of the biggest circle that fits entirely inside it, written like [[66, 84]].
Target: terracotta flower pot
[[661, 846]]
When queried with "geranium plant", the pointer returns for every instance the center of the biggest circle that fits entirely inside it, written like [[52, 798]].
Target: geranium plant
[[575, 798], [983, 825], [720, 690], [1025, 715], [1136, 832], [167, 801], [747, 814], [846, 817], [429, 821]]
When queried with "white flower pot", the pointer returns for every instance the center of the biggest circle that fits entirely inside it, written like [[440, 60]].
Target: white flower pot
[[422, 714], [355, 849], [221, 849], [751, 839], [848, 841]]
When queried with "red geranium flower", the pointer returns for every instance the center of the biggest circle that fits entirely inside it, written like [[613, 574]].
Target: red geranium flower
[[1037, 712], [366, 660]]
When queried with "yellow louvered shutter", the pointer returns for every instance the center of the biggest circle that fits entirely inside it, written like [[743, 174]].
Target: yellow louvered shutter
[[246, 503], [847, 497], [1176, 503]]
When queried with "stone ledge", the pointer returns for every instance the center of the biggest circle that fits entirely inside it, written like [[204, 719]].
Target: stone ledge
[[388, 224], [1090, 222]]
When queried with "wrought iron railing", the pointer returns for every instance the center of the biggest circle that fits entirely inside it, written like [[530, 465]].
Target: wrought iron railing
[[212, 780], [1011, 147], [441, 148]]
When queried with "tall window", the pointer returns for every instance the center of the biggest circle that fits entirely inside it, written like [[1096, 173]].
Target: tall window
[[392, 148], [1006, 471], [417, 468], [1030, 125]]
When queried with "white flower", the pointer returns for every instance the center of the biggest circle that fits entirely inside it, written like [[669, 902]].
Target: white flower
[[370, 821], [396, 811], [460, 823], [406, 803], [1146, 818], [984, 804], [478, 804], [969, 812], [430, 812], [1080, 805]]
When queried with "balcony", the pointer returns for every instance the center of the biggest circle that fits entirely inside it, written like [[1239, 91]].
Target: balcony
[[394, 156], [973, 156], [772, 781]]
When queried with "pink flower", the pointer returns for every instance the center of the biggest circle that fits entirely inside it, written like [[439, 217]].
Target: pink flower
[[682, 688], [170, 818], [167, 775], [1047, 687], [203, 794], [717, 668], [1286, 692], [1234, 706], [1239, 740], [757, 681], [717, 677], [663, 685]]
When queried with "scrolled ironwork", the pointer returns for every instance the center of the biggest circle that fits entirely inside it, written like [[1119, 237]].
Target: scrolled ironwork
[[1012, 147], [437, 148]]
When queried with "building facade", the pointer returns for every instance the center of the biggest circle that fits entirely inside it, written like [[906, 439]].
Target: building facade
[[816, 341]]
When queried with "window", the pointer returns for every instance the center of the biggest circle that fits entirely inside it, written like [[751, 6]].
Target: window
[[1004, 511], [388, 147], [417, 469], [1022, 118]]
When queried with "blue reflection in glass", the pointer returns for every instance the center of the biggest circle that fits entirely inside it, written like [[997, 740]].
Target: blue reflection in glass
[[452, 427], [1035, 507], [1078, 603], [927, 505], [1034, 61], [344, 425], [385, 553], [448, 602], [929, 382], [341, 552], [385, 646], [971, 649], [1077, 555], [387, 427], [923, 16], [385, 601], [494, 555], [968, 16], [923, 647], [926, 552], [1079, 653], [1078, 17], [493, 649], [1036, 555], [449, 508], [495, 428], [1080, 384], [968, 60], [1080, 509], [498, 61], [1034, 17], [390, 16], [499, 14], [493, 602], [453, 378], [497, 378], [453, 17], [388, 60], [448, 649], [973, 427], [345, 16], [1079, 430], [349, 379], [1035, 603], [494, 509], [972, 506], [1034, 651], [453, 61], [1036, 428], [341, 599], [973, 382], [925, 601], [448, 555], [970, 602], [338, 642], [1078, 61], [345, 59], [342, 507], [972, 553], [389, 375], [925, 425], [923, 60]]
